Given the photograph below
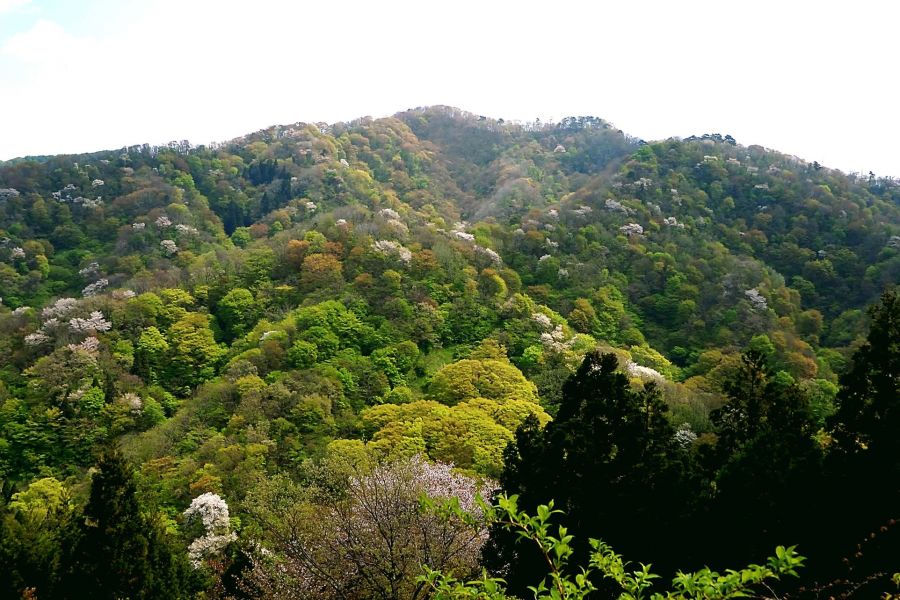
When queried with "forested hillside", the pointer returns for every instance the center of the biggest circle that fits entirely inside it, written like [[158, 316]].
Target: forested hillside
[[234, 371]]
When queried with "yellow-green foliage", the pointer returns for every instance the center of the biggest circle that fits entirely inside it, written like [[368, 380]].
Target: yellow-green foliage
[[494, 378], [471, 434]]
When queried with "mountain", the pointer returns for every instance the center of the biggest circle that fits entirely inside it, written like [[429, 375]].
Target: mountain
[[422, 281]]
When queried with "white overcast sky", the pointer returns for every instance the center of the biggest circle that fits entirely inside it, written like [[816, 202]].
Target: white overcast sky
[[815, 79]]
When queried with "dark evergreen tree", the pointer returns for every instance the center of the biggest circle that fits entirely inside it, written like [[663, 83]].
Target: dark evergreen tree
[[117, 551], [610, 462]]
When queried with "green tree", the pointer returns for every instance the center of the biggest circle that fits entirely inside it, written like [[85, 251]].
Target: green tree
[[237, 312], [117, 551]]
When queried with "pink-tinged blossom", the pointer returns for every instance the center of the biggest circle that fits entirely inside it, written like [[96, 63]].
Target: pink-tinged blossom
[[96, 322], [90, 344], [163, 221], [372, 540], [59, 308]]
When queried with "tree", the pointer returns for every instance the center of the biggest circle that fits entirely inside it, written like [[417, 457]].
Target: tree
[[368, 540], [237, 312], [117, 551], [868, 414], [194, 353], [604, 565], [491, 378], [607, 442]]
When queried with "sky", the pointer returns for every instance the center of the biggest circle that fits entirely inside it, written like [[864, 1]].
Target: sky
[[816, 79]]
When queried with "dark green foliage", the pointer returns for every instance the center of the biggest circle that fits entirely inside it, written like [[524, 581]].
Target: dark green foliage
[[608, 459], [117, 550]]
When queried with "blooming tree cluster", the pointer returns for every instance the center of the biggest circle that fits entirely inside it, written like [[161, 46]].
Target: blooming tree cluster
[[95, 288], [632, 230], [646, 373], [390, 248], [96, 322], [371, 540], [757, 300], [169, 247], [212, 512]]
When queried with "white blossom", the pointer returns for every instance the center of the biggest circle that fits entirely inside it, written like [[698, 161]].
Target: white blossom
[[97, 183], [632, 229], [616, 206], [756, 299], [583, 210], [21, 310], [310, 206], [542, 320], [391, 248], [685, 436], [169, 247], [132, 401], [543, 258], [462, 235], [16, 252], [212, 511], [163, 221], [636, 370], [36, 339], [6, 193], [491, 254], [389, 213], [123, 294], [341, 222], [138, 226], [92, 269], [95, 288], [96, 322], [186, 229], [553, 213], [90, 344], [59, 308], [344, 162], [556, 340]]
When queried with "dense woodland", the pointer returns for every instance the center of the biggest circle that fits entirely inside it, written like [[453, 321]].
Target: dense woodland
[[360, 360]]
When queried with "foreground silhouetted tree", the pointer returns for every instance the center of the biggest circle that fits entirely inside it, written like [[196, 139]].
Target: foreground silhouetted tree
[[117, 551], [611, 462]]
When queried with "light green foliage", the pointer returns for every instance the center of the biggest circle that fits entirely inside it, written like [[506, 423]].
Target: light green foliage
[[302, 354], [237, 311], [194, 353], [491, 378], [564, 583], [471, 434]]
